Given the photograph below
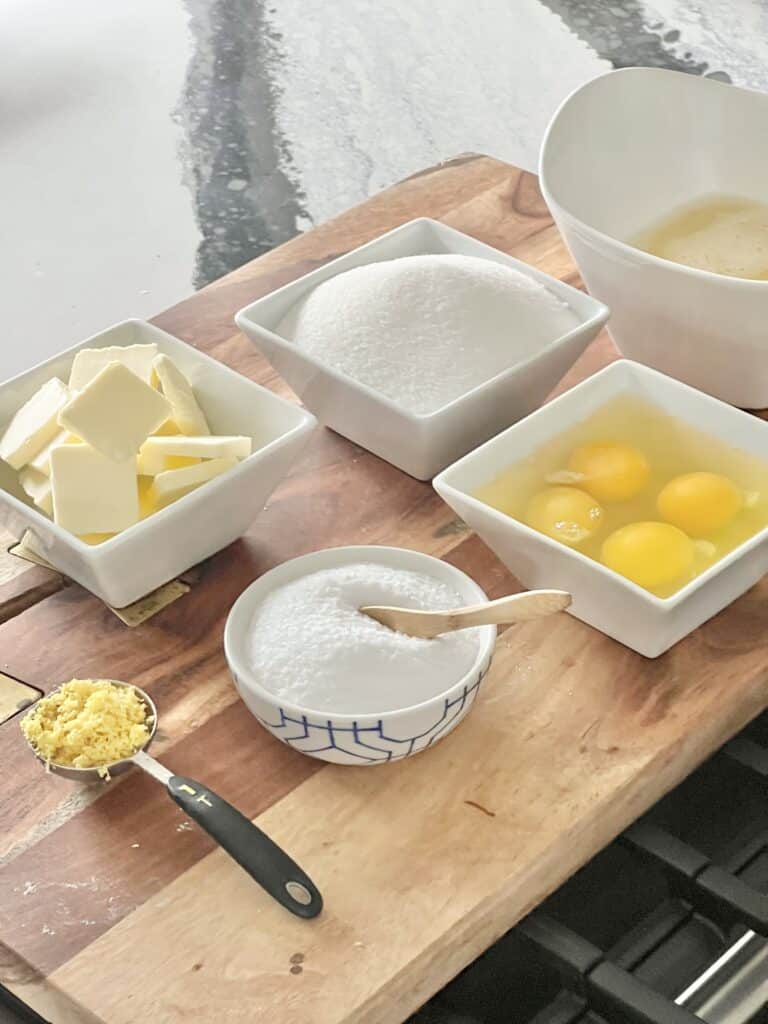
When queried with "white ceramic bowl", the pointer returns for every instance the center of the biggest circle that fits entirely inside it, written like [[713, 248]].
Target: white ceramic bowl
[[421, 445], [134, 562], [344, 738], [611, 603], [620, 153]]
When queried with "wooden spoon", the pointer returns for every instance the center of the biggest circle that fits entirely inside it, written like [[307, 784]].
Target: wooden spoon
[[531, 604]]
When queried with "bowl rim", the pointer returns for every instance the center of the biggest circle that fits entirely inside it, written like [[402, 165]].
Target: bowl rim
[[664, 604], [234, 630], [594, 321], [626, 248], [306, 422]]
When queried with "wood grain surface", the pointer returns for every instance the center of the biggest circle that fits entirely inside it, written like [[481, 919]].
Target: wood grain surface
[[115, 908], [21, 583]]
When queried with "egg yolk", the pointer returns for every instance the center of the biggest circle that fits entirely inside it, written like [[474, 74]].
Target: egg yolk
[[565, 514], [649, 554], [610, 472], [700, 503]]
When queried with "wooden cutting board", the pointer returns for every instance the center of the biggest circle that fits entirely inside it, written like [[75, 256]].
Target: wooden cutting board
[[114, 908]]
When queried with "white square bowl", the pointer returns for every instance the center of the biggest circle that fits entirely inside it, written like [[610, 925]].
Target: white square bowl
[[419, 444], [630, 614], [141, 558]]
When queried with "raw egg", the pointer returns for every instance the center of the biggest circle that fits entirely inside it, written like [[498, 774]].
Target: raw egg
[[700, 503], [650, 554], [566, 514], [611, 471]]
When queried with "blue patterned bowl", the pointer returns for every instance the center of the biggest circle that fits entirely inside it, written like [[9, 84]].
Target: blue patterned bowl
[[344, 738]]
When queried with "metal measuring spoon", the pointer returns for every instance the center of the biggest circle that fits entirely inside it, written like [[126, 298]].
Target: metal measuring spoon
[[253, 850]]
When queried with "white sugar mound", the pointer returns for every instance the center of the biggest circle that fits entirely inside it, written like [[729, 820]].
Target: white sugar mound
[[309, 643], [423, 330]]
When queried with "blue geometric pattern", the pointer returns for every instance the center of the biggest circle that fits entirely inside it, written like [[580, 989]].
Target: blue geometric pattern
[[368, 744]]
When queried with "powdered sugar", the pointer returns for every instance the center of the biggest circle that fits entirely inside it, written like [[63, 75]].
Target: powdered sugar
[[423, 330], [309, 644]]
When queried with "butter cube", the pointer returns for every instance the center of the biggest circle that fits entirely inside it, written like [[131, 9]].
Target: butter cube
[[91, 361], [175, 483], [168, 429], [151, 465], [159, 454], [146, 504], [187, 414], [42, 461], [92, 493], [38, 487], [34, 425], [115, 413]]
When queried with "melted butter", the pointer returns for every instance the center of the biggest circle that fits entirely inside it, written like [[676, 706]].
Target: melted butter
[[720, 233]]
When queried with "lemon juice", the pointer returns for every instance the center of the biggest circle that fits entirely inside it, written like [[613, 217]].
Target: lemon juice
[[639, 491]]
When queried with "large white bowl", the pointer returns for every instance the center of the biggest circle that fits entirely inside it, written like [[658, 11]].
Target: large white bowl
[[419, 444], [616, 606], [621, 152], [141, 558], [345, 738]]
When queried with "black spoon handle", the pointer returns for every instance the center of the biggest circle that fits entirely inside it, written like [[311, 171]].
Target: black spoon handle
[[253, 850]]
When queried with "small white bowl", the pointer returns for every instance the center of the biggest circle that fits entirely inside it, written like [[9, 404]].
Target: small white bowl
[[623, 151], [649, 625], [419, 444], [344, 738], [141, 558]]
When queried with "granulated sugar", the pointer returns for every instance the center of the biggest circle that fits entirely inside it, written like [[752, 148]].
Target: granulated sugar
[[309, 643], [423, 330]]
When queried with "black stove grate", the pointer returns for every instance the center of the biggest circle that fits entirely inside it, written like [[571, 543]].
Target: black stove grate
[[665, 926]]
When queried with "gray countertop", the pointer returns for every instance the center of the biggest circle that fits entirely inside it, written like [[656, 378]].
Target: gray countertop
[[149, 148]]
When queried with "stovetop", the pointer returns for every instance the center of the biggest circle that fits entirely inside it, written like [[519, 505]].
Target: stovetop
[[667, 925]]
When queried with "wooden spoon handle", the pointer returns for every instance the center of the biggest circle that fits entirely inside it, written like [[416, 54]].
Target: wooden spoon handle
[[514, 608]]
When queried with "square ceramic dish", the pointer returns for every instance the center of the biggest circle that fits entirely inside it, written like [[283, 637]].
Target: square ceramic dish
[[421, 445], [621, 153], [141, 558], [630, 614]]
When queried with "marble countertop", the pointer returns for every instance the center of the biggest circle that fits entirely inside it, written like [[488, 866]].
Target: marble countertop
[[147, 149]]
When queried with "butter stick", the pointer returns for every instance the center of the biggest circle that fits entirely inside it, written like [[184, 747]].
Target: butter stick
[[187, 414], [175, 483], [42, 461], [157, 453], [34, 425], [89, 362], [38, 487]]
